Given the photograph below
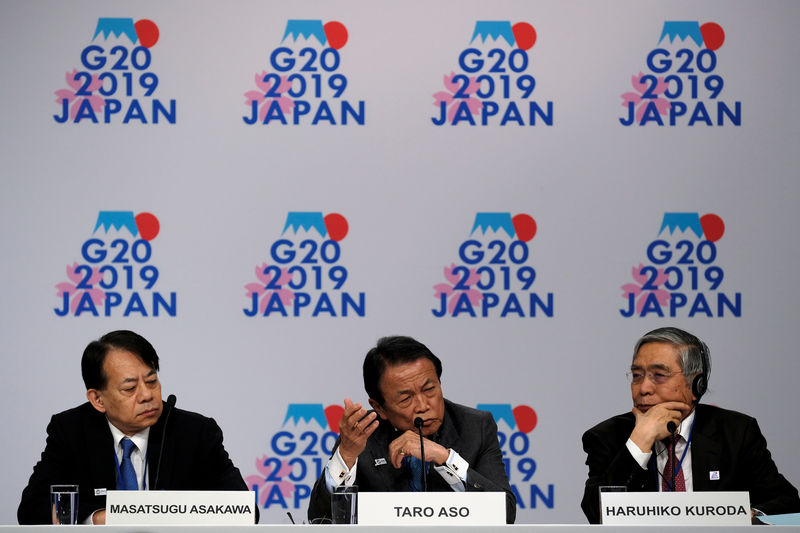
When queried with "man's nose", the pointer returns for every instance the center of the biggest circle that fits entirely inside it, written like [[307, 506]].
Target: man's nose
[[647, 386], [144, 393], [420, 403]]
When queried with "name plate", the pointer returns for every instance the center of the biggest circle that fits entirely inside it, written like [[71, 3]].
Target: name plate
[[425, 508], [143, 507], [675, 508]]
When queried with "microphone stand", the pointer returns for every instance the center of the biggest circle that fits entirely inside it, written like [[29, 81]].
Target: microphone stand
[[418, 423]]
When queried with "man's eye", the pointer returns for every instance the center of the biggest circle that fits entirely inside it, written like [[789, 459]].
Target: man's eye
[[129, 389], [404, 400], [637, 375]]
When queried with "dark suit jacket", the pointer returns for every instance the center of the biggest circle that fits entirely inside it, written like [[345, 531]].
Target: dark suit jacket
[[471, 433], [80, 450], [725, 441]]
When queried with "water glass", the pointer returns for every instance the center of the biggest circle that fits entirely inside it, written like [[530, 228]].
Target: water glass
[[64, 504], [344, 505]]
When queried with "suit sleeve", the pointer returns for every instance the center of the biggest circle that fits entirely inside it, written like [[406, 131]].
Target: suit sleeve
[[770, 492], [56, 466], [319, 505], [487, 473], [610, 463], [215, 463]]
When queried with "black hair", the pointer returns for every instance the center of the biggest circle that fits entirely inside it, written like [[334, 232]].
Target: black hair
[[95, 355], [392, 351]]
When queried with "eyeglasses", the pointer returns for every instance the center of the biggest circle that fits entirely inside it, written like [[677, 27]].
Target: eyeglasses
[[656, 376]]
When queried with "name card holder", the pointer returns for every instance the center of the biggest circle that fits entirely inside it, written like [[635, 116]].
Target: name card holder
[[431, 508], [186, 507], [675, 508]]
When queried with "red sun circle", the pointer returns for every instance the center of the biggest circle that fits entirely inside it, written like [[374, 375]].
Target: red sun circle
[[524, 34], [524, 226], [148, 226], [336, 225], [336, 34], [333, 413], [713, 227], [713, 35], [525, 417], [147, 32]]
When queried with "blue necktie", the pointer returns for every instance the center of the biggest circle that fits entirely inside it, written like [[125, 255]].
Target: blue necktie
[[415, 466], [127, 478]]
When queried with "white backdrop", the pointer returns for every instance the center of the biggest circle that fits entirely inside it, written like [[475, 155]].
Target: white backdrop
[[222, 191]]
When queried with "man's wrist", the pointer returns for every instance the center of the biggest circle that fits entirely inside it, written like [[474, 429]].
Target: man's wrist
[[442, 455]]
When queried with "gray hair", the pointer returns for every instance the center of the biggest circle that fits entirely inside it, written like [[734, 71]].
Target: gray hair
[[691, 350]]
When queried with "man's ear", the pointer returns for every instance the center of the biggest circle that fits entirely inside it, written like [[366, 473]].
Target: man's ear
[[96, 399], [378, 409]]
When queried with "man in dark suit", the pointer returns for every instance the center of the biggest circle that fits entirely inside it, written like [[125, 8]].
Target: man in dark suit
[[86, 445], [714, 449], [380, 450]]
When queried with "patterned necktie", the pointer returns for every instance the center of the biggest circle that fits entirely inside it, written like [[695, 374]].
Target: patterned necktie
[[672, 462], [415, 466], [127, 478]]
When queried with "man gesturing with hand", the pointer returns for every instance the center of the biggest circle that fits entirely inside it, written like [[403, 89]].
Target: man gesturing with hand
[[379, 449]]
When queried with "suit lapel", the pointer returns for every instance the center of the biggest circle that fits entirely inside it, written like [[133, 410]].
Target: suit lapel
[[387, 475], [448, 434], [153, 448], [705, 455], [100, 449]]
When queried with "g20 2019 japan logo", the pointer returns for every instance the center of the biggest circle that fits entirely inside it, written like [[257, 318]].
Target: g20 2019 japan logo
[[494, 278], [116, 275], [493, 85], [305, 275], [514, 428], [683, 275], [682, 84], [304, 83], [115, 82]]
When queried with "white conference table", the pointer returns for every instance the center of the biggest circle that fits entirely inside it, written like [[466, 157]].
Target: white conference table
[[288, 528]]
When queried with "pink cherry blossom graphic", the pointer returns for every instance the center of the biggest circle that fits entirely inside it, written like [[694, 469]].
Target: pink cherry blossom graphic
[[265, 280], [81, 285], [640, 293], [457, 95], [270, 470], [454, 288], [265, 95], [662, 104], [80, 93]]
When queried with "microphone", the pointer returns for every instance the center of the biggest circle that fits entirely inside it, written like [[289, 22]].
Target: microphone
[[418, 424], [672, 428], [170, 404]]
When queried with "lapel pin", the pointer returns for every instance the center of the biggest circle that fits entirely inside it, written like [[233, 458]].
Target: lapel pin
[[380, 461], [713, 475]]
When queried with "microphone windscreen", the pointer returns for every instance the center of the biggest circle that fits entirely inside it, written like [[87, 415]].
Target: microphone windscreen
[[418, 423], [671, 427], [171, 399]]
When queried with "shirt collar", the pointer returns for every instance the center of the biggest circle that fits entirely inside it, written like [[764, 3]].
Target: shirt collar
[[685, 429], [140, 439]]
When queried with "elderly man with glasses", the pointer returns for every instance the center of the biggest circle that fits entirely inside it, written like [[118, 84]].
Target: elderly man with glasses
[[670, 442]]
